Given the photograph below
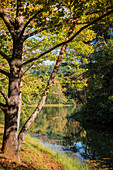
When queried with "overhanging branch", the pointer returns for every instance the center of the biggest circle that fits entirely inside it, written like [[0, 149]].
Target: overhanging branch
[[45, 28], [61, 23], [28, 68], [4, 55], [35, 32], [70, 39], [6, 21], [3, 106], [4, 72], [27, 23]]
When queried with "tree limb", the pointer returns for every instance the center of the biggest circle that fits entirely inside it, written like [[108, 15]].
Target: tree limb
[[35, 32], [45, 28], [28, 69], [4, 55], [3, 106], [4, 72], [96, 11], [6, 21], [27, 23], [19, 4], [70, 39], [34, 46], [4, 95]]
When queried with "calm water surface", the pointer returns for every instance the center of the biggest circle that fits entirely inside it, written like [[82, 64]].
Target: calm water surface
[[64, 134]]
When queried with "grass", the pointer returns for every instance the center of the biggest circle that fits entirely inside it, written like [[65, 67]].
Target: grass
[[51, 105], [34, 155], [57, 105]]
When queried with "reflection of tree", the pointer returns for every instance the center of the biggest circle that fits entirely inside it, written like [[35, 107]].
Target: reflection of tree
[[56, 94], [75, 130], [52, 119], [58, 122]]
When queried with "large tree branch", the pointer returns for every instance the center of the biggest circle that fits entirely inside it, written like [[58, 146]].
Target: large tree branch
[[35, 32], [19, 4], [4, 56], [4, 72], [97, 11], [71, 38], [36, 45], [45, 28], [3, 106], [6, 21], [4, 95], [27, 23]]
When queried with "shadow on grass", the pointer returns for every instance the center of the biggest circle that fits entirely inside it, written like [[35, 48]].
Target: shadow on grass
[[7, 164]]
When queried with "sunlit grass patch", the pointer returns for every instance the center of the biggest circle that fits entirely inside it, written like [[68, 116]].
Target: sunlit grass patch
[[66, 162]]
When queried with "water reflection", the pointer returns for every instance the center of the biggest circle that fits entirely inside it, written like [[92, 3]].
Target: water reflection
[[55, 128]]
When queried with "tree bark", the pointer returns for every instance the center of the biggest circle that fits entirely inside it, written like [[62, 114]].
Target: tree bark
[[10, 143], [12, 112]]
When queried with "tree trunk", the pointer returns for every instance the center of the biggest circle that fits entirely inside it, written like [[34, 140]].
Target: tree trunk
[[12, 112], [10, 143]]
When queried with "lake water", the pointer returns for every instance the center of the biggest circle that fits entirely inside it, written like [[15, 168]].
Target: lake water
[[57, 130]]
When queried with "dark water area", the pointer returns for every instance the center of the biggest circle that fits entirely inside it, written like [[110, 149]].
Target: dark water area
[[66, 135]]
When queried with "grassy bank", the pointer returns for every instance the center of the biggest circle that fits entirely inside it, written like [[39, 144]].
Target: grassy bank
[[35, 155], [52, 105], [57, 105]]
